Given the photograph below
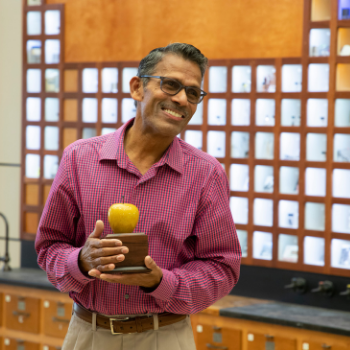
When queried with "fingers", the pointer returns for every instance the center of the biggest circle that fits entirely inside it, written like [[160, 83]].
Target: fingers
[[101, 243], [150, 263], [99, 227], [109, 260], [102, 252]]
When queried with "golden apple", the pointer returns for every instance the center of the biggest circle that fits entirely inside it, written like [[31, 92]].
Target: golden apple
[[123, 217]]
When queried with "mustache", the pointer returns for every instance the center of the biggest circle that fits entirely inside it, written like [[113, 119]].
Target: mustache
[[175, 108]]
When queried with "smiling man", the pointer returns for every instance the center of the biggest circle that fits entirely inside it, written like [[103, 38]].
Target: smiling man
[[183, 198]]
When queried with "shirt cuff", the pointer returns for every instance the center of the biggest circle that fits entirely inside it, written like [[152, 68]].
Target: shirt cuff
[[74, 270], [167, 286]]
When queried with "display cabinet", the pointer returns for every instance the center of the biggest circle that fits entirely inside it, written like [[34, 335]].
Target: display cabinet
[[280, 127]]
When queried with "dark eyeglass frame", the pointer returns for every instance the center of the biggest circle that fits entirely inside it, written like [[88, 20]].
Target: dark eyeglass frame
[[202, 93]]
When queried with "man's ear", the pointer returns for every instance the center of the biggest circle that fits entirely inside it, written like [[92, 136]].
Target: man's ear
[[136, 88]]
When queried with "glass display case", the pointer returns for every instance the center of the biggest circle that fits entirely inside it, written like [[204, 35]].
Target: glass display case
[[262, 245], [109, 110], [340, 253], [240, 112], [194, 138], [265, 112], [89, 132], [314, 251], [50, 166], [51, 138], [243, 241], [89, 110], [109, 80], [216, 143], [314, 216], [290, 112], [128, 73], [33, 23], [90, 80], [316, 147], [343, 77], [341, 218], [33, 109], [343, 9], [52, 80], [52, 22], [197, 118], [216, 111], [264, 145], [105, 131], [33, 137], [321, 10], [317, 112], [343, 43], [289, 180], [315, 182], [288, 214], [341, 149], [263, 178], [34, 2], [239, 177], [266, 79], [241, 79], [263, 212], [33, 80], [290, 146], [240, 144], [318, 77], [239, 209], [217, 79], [291, 77], [319, 42], [52, 109], [342, 112], [33, 51], [128, 109], [32, 166], [52, 51], [341, 183], [288, 248]]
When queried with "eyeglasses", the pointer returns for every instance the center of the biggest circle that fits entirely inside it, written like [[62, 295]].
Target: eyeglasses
[[172, 87]]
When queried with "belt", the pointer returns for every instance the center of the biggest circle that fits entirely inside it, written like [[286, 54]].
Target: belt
[[127, 324]]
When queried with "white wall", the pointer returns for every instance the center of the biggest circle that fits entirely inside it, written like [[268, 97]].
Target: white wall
[[10, 121]]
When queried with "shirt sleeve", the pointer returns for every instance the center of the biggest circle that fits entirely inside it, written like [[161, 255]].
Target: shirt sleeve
[[56, 239], [214, 270]]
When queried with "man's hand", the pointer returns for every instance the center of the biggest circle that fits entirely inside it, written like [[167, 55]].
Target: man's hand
[[148, 280], [101, 254]]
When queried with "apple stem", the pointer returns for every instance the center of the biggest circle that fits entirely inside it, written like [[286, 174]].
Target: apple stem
[[123, 199]]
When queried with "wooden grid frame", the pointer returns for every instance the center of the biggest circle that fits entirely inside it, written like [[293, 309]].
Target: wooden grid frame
[[71, 90]]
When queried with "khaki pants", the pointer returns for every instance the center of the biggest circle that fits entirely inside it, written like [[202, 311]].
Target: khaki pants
[[81, 336]]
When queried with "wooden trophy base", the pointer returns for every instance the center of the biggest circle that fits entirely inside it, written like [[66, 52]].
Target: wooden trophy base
[[138, 249]]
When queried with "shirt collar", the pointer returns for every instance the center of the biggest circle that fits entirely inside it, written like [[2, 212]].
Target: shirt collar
[[113, 149]]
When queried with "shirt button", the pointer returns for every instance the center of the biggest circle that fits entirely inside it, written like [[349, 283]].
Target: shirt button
[[126, 296]]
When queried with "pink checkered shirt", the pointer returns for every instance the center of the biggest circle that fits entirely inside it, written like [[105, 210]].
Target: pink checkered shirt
[[184, 209]]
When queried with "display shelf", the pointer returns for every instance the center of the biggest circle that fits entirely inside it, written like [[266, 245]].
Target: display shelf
[[314, 216], [33, 23], [289, 180], [343, 77], [217, 79], [239, 177], [291, 78], [240, 112], [128, 73], [341, 183], [194, 138], [33, 80], [33, 51], [318, 77], [341, 149], [341, 218], [89, 110], [321, 10], [50, 166], [216, 143], [288, 248], [239, 209], [110, 80], [109, 110], [32, 166], [51, 138], [343, 9], [243, 240], [314, 250], [315, 182], [263, 212], [316, 147], [266, 79], [264, 145], [52, 22], [263, 178], [288, 214], [90, 80], [52, 80], [33, 137], [290, 112], [197, 118], [289, 146], [33, 109], [52, 51], [128, 109], [265, 112], [241, 79], [89, 132], [343, 44], [52, 109], [216, 111], [240, 144], [262, 245], [342, 112], [317, 112], [105, 131], [340, 254], [319, 42]]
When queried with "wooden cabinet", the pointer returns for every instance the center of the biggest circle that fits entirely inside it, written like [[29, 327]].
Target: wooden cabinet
[[56, 317], [256, 341], [326, 345], [22, 313], [215, 337], [18, 344]]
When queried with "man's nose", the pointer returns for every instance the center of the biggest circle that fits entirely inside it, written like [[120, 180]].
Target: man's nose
[[180, 98]]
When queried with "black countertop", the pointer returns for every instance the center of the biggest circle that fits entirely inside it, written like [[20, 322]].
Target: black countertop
[[284, 314], [305, 317], [33, 278]]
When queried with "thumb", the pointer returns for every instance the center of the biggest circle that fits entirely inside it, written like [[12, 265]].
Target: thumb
[[150, 263], [99, 227]]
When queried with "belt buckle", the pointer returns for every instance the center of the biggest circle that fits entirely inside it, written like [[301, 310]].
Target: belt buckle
[[116, 319]]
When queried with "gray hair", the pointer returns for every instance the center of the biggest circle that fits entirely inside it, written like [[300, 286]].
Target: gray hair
[[188, 52]]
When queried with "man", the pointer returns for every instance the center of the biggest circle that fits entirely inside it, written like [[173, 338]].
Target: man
[[183, 198]]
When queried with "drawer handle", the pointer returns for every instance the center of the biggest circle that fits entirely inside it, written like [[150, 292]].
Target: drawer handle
[[325, 346], [269, 337], [56, 319], [19, 313], [216, 328], [210, 346]]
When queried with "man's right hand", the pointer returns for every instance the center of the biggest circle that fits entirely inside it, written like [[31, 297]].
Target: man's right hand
[[101, 254]]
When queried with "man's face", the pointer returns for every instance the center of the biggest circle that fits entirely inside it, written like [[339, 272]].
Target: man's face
[[163, 114]]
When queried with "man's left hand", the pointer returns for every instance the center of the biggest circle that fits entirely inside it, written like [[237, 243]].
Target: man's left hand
[[149, 280]]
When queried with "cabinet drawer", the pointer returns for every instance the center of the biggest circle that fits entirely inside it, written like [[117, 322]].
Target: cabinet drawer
[[48, 347], [57, 316], [307, 345], [21, 313], [258, 341], [220, 338], [17, 344]]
